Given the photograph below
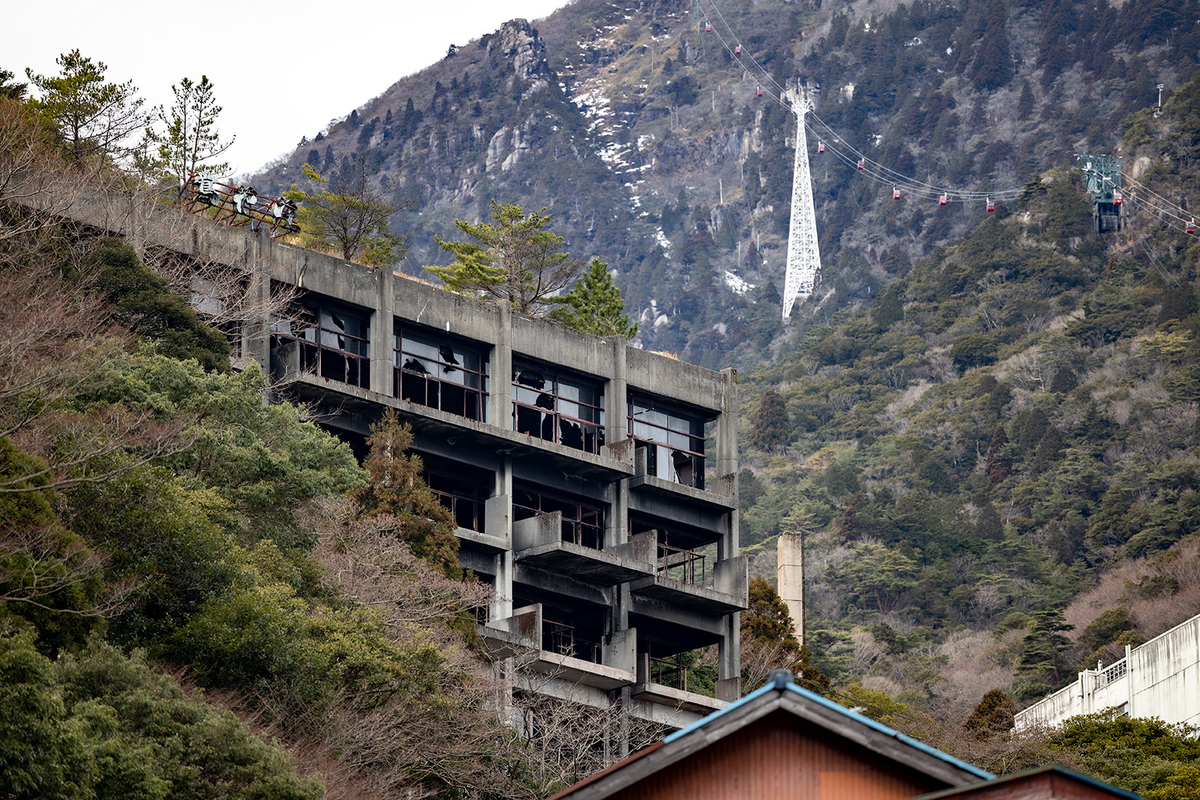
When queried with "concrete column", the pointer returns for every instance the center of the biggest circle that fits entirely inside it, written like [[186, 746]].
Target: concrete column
[[502, 602], [727, 445], [616, 523], [499, 411], [256, 330], [789, 572], [382, 325], [616, 394], [727, 457], [729, 660]]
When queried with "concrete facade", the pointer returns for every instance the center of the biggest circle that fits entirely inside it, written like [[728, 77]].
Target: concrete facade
[[1160, 678], [594, 484]]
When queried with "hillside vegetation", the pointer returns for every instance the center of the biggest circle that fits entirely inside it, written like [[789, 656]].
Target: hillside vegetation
[[1007, 434], [202, 595]]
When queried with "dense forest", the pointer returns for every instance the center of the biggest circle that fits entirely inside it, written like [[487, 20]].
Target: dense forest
[[995, 464]]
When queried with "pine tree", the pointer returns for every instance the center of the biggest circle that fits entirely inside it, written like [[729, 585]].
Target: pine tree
[[350, 214], [1026, 102], [769, 641], [398, 488], [1042, 665], [993, 716], [191, 137], [9, 88], [594, 305], [93, 117], [997, 465], [513, 259]]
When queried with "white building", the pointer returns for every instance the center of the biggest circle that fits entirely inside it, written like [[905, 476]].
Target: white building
[[1160, 678]]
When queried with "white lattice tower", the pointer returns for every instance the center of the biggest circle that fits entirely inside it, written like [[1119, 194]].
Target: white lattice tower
[[803, 253]]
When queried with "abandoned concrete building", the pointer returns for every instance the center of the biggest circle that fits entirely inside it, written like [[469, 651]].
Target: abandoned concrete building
[[577, 468], [594, 484]]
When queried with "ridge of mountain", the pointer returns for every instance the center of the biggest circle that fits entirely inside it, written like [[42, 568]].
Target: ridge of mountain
[[688, 200]]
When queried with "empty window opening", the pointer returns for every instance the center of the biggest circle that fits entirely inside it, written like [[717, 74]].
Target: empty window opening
[[558, 407], [582, 522], [673, 438], [439, 373], [570, 629], [691, 671], [331, 340], [680, 556], [462, 489]]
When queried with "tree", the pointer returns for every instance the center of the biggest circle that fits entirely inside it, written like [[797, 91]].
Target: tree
[[1042, 665], [9, 88], [349, 213], [398, 488], [513, 259], [144, 303], [772, 429], [191, 135], [594, 305], [875, 575], [993, 715], [103, 724], [993, 67], [769, 641], [94, 117], [997, 466]]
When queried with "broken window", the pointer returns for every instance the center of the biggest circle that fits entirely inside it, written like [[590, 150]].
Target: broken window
[[582, 522], [461, 489], [439, 373], [674, 440], [332, 340], [558, 407]]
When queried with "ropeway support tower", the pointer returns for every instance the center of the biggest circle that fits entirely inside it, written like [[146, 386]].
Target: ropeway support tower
[[803, 253]]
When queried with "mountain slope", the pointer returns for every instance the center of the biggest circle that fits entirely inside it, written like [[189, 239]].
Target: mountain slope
[[644, 136], [1009, 423]]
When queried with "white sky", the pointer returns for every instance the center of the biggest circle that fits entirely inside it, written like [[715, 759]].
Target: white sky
[[280, 70]]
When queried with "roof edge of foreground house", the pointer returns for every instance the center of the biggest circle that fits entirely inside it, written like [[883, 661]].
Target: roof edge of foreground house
[[1050, 775], [779, 694]]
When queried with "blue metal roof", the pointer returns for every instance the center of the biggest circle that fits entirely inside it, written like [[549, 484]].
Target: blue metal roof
[[789, 686]]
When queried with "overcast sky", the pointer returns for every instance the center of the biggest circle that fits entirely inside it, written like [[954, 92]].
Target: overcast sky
[[281, 70]]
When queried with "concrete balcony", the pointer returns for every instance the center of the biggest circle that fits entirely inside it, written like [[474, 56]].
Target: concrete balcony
[[720, 496], [513, 636], [538, 542], [729, 592], [660, 694], [495, 518], [521, 635]]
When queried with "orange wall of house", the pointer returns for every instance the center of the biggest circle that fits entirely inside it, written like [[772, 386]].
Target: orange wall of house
[[782, 757]]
